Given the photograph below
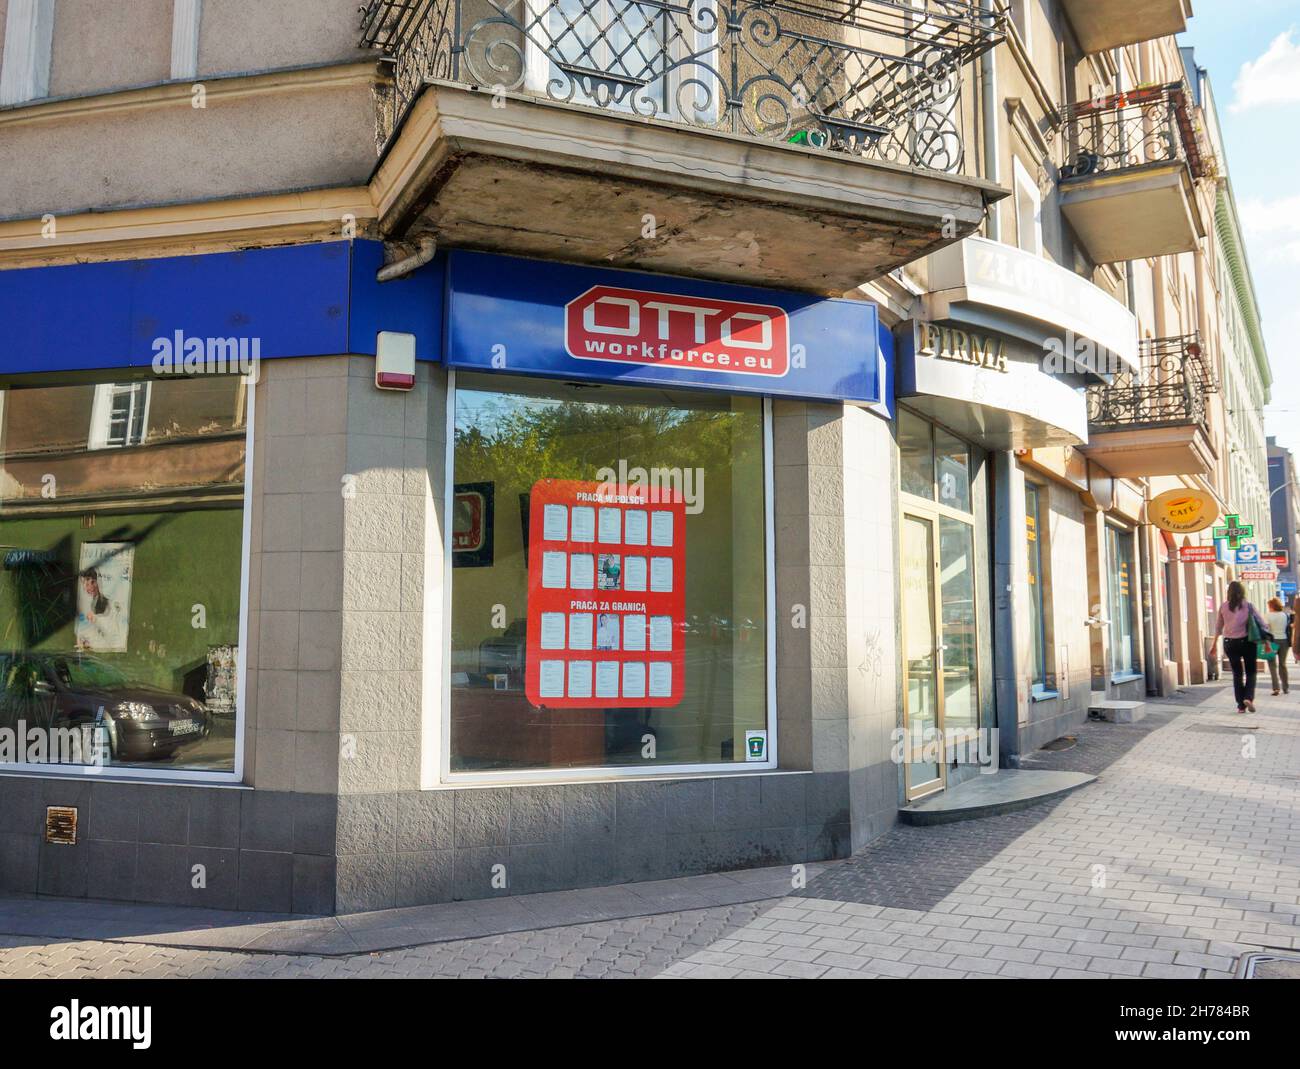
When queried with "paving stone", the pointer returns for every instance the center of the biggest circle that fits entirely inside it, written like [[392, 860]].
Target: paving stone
[[1195, 844]]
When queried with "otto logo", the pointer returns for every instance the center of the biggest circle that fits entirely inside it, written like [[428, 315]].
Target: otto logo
[[642, 327]]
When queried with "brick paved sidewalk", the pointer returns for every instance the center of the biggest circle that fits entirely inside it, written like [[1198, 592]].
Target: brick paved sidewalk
[[1184, 856]]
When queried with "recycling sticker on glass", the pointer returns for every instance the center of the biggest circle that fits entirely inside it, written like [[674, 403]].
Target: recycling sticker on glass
[[606, 604]]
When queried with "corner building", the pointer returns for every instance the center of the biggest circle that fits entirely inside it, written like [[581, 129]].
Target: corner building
[[630, 454]]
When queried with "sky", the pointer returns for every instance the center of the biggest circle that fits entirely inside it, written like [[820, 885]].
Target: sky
[[1251, 49]]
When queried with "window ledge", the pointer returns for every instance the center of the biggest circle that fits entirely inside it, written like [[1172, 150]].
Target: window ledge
[[1043, 695], [1127, 677], [464, 781]]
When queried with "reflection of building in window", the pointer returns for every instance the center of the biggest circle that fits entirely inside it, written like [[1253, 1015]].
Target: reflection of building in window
[[143, 529], [120, 414]]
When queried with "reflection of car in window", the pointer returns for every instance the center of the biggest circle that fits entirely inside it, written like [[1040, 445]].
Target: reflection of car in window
[[74, 690]]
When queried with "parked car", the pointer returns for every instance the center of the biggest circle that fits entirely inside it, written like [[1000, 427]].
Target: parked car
[[75, 690]]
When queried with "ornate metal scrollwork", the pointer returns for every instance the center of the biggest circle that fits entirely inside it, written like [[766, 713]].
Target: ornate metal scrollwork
[[1169, 390], [875, 78], [1127, 130]]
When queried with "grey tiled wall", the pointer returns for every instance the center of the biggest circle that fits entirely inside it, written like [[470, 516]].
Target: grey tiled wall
[[260, 850], [309, 853], [416, 847]]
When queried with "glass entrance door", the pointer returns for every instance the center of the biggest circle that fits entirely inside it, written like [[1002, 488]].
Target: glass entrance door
[[924, 760]]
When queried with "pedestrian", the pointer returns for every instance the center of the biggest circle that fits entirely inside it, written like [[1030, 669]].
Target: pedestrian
[[1293, 632], [1233, 622], [1276, 618]]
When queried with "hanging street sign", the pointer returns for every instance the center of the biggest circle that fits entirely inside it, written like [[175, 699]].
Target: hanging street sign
[[1182, 511], [1234, 531]]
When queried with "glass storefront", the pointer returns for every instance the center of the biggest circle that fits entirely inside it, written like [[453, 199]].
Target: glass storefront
[[609, 578], [940, 600], [1123, 602], [1035, 534], [121, 572]]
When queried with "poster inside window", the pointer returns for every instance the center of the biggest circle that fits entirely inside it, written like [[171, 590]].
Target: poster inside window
[[618, 619], [121, 550]]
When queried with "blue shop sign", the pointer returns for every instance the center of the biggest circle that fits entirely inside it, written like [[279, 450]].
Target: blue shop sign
[[293, 300], [472, 310], [536, 317]]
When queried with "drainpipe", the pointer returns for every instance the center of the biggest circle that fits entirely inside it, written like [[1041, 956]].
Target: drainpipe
[[425, 248], [989, 105]]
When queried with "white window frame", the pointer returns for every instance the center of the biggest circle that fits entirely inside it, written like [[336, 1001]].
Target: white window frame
[[208, 777], [1025, 184], [101, 413], [435, 750], [29, 39]]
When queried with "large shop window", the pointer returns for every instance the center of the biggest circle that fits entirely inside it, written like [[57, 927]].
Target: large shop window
[[609, 580], [1122, 583], [121, 545], [933, 464], [1036, 535]]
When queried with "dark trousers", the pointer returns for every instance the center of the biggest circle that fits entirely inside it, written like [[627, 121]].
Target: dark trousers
[[1241, 654]]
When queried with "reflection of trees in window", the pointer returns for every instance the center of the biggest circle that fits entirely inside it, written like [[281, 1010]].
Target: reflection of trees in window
[[517, 440], [512, 432]]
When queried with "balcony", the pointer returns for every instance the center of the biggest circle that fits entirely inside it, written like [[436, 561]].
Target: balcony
[[1128, 188], [809, 144], [1102, 25], [1155, 422]]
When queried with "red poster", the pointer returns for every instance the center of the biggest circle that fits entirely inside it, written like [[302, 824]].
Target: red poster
[[606, 596]]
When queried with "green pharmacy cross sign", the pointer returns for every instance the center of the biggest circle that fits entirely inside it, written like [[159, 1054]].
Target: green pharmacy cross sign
[[1235, 531]]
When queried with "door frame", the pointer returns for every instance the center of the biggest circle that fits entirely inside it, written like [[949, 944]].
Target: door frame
[[930, 517]]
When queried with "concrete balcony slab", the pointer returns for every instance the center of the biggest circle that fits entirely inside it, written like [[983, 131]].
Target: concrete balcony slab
[[538, 179], [1134, 213], [1105, 24], [1140, 452]]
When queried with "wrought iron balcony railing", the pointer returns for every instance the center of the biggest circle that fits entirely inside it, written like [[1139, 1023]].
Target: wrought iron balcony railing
[[879, 78], [1169, 391], [1153, 124]]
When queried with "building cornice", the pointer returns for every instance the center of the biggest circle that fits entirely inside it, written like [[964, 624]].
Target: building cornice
[[173, 93], [185, 229], [1228, 226]]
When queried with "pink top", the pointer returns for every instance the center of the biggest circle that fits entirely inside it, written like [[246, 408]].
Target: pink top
[[1233, 623]]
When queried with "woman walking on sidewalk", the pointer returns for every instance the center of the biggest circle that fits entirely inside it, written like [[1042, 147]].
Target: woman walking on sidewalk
[[1294, 633], [1277, 624], [1233, 623]]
